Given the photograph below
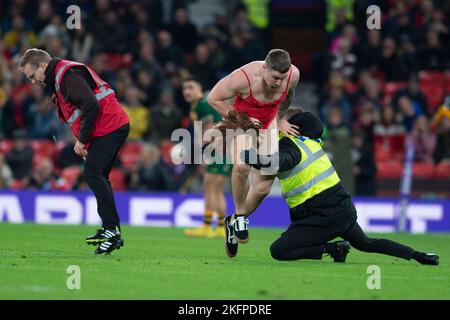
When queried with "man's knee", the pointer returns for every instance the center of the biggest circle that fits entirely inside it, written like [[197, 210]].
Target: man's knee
[[276, 251], [241, 170], [262, 189], [91, 172]]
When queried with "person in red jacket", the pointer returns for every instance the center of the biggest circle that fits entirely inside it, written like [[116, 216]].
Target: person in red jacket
[[88, 105]]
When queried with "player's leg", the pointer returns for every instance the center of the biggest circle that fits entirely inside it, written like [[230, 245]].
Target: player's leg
[[260, 187], [205, 230], [308, 242], [261, 182], [240, 172], [240, 186], [359, 240], [220, 204]]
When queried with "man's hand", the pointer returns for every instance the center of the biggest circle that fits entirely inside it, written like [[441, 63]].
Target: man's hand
[[288, 129], [256, 122], [80, 149]]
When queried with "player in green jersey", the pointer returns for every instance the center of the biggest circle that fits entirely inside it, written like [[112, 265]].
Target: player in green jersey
[[215, 174]]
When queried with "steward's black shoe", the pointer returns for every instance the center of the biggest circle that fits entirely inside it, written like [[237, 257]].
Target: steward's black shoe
[[240, 228], [102, 235], [110, 245], [429, 258], [231, 244], [338, 250]]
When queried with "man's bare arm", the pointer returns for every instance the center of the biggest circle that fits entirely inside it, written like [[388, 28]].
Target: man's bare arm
[[226, 89]]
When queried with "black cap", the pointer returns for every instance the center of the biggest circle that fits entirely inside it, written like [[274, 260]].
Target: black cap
[[309, 124]]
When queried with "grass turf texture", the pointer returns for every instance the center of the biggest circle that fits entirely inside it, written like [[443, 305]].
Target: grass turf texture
[[161, 263]]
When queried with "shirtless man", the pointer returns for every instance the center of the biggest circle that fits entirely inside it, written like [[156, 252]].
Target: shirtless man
[[264, 90]]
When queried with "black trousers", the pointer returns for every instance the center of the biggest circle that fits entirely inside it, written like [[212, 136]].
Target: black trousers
[[101, 156], [309, 241]]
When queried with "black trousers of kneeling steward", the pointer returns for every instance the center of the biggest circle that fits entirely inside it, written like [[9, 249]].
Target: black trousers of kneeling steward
[[307, 238]]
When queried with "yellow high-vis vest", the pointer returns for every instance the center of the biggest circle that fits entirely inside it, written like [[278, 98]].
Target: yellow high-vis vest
[[258, 12], [311, 176]]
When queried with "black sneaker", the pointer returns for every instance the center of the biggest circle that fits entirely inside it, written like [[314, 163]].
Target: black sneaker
[[102, 235], [338, 250], [429, 258], [110, 245], [231, 244], [240, 227]]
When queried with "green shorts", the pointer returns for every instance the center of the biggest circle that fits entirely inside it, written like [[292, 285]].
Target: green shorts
[[224, 167]]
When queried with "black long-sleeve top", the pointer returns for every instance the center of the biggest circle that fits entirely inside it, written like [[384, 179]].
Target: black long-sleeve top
[[288, 153], [77, 87]]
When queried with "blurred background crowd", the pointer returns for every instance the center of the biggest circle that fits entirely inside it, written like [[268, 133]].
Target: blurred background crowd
[[375, 90]]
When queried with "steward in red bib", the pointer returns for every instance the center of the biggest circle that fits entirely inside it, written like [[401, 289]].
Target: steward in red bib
[[89, 106], [110, 116]]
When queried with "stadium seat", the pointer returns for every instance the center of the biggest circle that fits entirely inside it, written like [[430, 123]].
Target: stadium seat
[[447, 82], [389, 169], [58, 147], [433, 77], [114, 61], [442, 170], [38, 158], [423, 170], [390, 88], [43, 148], [389, 148], [130, 154], [129, 160], [117, 179], [6, 146], [71, 174], [16, 184], [435, 96], [433, 85], [131, 148]]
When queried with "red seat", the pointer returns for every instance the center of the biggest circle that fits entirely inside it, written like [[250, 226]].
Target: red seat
[[423, 170], [43, 147], [131, 148], [38, 158], [117, 179], [435, 95], [129, 160], [443, 170], [71, 174], [17, 184], [389, 169], [114, 61], [6, 146], [391, 88], [130, 154], [447, 82], [433, 77], [389, 148], [433, 85]]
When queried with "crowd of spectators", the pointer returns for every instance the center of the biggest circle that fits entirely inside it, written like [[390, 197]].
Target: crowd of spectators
[[383, 87], [376, 87], [143, 49]]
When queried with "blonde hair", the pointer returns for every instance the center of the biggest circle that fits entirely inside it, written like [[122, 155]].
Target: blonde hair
[[34, 57]]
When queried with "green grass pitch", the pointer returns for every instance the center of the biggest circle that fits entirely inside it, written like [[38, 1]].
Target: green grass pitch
[[161, 263]]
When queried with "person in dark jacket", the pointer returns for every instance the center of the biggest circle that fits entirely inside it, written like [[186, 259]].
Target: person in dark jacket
[[88, 105]]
